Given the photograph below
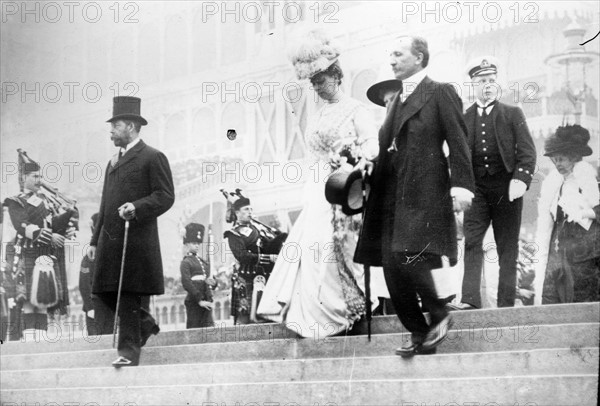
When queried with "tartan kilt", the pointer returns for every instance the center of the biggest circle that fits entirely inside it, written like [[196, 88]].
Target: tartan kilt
[[29, 255]]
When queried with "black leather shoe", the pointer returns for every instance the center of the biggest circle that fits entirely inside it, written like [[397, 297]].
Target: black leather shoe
[[459, 306], [437, 334], [154, 331], [123, 362], [408, 350]]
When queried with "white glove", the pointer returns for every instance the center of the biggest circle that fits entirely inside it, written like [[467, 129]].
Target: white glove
[[461, 199], [516, 189], [90, 314], [127, 211], [207, 305]]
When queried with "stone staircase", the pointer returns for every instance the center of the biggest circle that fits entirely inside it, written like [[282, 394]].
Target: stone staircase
[[520, 356]]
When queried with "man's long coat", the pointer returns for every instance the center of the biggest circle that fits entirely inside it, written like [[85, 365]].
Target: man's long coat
[[142, 177], [423, 218]]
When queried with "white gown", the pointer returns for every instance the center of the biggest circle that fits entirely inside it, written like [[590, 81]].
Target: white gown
[[315, 287]]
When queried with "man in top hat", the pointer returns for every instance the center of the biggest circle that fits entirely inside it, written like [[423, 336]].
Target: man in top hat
[[138, 187], [504, 156], [195, 278], [36, 257], [409, 223], [245, 242]]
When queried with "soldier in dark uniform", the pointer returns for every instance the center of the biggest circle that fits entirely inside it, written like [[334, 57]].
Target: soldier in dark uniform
[[36, 258], [195, 278], [504, 159], [246, 242]]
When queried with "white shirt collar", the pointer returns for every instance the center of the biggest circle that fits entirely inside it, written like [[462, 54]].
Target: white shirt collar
[[130, 145], [488, 108], [410, 84]]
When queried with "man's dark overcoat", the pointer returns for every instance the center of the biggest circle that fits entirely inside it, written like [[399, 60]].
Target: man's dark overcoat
[[423, 218], [143, 177]]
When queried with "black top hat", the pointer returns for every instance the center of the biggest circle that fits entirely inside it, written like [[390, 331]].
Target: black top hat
[[127, 108], [569, 139], [374, 92], [344, 187], [194, 232]]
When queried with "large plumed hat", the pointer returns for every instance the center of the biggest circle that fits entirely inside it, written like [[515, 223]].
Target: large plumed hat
[[568, 139], [313, 53]]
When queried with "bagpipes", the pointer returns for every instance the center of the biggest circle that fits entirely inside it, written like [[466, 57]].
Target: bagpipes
[[270, 242], [37, 274], [64, 209], [271, 238]]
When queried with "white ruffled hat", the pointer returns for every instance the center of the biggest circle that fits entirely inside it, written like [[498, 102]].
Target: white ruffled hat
[[314, 53]]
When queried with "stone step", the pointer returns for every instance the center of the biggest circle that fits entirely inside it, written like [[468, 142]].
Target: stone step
[[491, 338], [57, 340], [494, 364], [576, 390]]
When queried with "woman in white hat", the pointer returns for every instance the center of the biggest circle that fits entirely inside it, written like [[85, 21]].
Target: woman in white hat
[[318, 290]]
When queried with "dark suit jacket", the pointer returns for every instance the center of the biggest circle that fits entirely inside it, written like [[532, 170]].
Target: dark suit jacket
[[423, 217], [514, 140], [143, 177]]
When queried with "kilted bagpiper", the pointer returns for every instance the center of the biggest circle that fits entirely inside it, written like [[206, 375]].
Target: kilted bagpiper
[[35, 277], [253, 265]]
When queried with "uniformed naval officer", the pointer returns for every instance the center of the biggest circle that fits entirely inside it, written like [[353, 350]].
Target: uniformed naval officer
[[503, 155], [195, 278], [246, 243]]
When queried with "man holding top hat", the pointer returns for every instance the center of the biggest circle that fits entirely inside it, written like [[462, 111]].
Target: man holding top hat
[[138, 187], [504, 156], [195, 278], [409, 224]]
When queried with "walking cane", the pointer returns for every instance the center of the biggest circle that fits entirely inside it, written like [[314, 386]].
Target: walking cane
[[367, 267], [120, 282]]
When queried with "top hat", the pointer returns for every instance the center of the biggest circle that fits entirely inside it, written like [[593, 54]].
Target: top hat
[[374, 92], [194, 233], [344, 187], [569, 139], [127, 108], [485, 65]]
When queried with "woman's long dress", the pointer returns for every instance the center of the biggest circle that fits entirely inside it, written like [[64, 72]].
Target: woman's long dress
[[315, 287], [567, 272]]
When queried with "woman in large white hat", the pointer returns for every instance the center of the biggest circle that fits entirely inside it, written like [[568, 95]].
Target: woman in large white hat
[[318, 290]]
